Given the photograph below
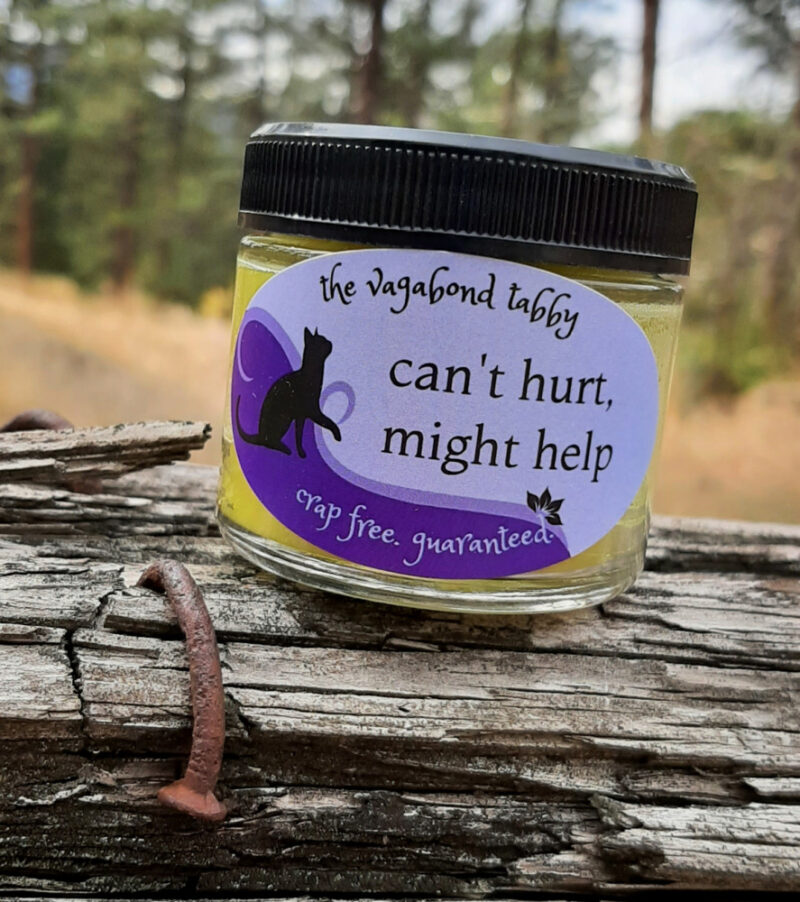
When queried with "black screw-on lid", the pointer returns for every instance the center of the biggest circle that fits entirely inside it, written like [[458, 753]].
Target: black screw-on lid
[[494, 196]]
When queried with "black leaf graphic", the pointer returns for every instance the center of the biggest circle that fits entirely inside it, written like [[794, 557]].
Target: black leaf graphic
[[547, 505]]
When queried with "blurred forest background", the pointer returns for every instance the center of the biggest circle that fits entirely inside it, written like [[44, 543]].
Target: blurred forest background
[[122, 126]]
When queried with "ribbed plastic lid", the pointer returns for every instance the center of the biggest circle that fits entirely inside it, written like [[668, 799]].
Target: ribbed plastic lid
[[495, 196]]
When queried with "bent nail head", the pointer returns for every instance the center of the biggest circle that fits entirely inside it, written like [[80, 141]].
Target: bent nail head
[[193, 794]]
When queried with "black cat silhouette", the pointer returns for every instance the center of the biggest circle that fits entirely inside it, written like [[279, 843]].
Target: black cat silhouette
[[294, 397]]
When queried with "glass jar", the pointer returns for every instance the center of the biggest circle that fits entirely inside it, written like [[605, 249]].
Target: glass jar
[[451, 358]]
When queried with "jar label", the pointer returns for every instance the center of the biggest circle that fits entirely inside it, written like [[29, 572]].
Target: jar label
[[441, 415]]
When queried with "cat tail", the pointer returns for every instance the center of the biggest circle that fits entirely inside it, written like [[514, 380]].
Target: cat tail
[[252, 438]]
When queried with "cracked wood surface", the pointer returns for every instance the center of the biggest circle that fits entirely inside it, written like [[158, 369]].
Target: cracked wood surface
[[651, 743], [46, 456]]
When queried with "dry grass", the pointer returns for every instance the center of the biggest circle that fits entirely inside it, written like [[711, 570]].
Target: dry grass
[[102, 360], [739, 460], [105, 360]]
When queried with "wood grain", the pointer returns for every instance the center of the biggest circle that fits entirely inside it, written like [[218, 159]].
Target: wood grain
[[55, 456], [650, 743]]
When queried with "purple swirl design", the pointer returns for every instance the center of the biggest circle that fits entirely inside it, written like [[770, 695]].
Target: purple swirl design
[[371, 529], [347, 391]]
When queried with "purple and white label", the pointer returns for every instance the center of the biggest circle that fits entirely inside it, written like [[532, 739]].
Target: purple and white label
[[441, 415]]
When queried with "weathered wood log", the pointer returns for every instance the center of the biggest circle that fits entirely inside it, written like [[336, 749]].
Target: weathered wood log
[[653, 742], [107, 452], [720, 545], [173, 501]]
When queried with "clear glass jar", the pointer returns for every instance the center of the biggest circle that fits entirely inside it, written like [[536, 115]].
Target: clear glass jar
[[600, 572], [450, 364]]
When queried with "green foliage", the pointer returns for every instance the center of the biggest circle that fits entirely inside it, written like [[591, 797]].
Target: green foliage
[[768, 26], [123, 121], [557, 71], [738, 330], [122, 124]]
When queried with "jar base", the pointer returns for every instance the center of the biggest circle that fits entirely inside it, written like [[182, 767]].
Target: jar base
[[533, 593]]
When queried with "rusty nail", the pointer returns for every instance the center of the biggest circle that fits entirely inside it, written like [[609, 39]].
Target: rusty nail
[[194, 792], [29, 420]]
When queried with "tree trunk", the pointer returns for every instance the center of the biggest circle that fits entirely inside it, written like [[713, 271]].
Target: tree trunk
[[782, 318], [413, 98], [370, 74], [782, 275], [796, 78], [178, 124], [509, 125], [29, 155], [736, 263], [553, 76], [180, 107], [29, 158], [649, 44], [780, 304], [123, 259], [256, 107]]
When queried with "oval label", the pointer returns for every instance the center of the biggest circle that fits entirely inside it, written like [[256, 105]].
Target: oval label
[[441, 415]]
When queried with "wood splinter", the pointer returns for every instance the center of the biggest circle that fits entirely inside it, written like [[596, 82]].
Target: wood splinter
[[193, 794], [38, 418]]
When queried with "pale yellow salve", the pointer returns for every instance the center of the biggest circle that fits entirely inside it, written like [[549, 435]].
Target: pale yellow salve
[[653, 302]]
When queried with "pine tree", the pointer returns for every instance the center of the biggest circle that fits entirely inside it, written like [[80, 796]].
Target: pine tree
[[32, 45], [368, 81], [545, 90], [772, 27], [649, 43], [516, 63], [122, 121]]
